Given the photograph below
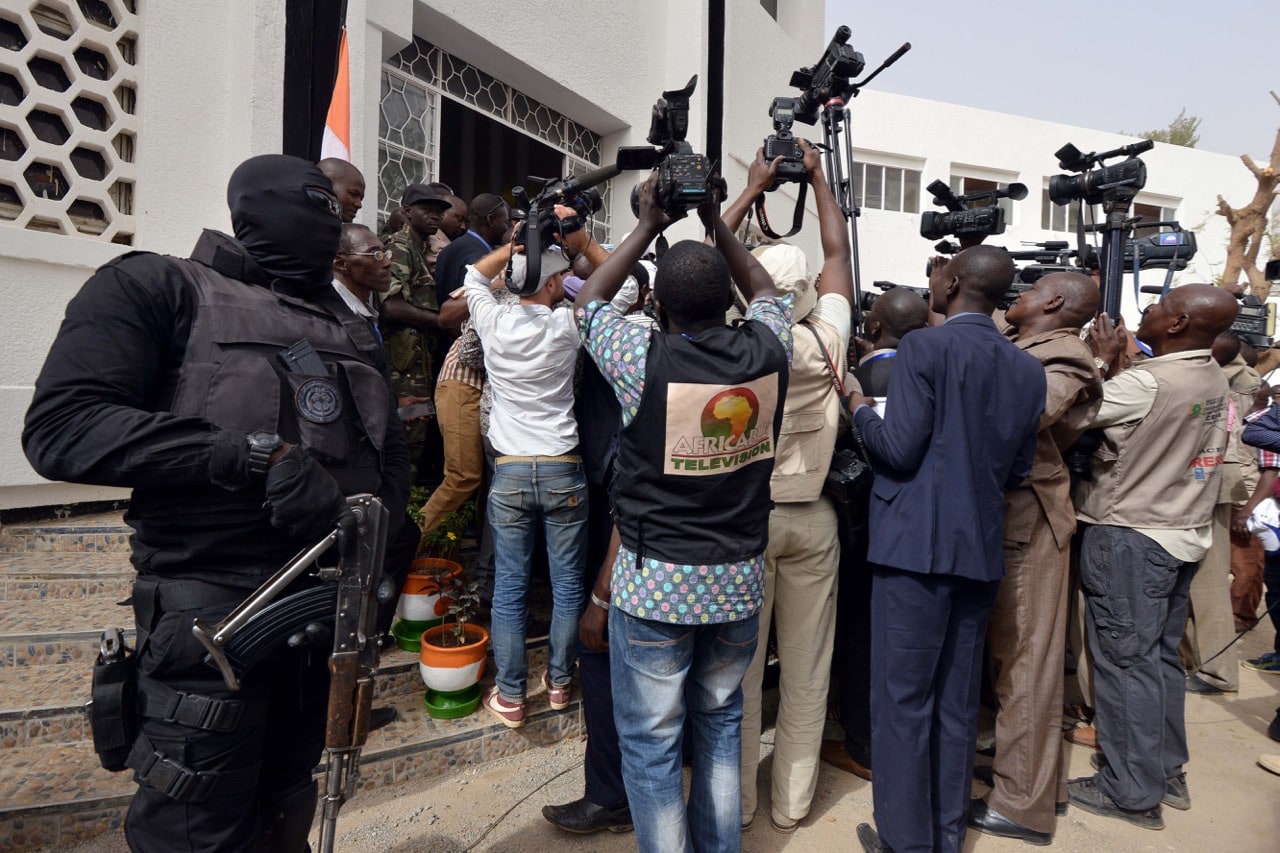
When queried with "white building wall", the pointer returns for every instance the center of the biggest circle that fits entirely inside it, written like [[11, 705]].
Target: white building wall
[[942, 139], [210, 95]]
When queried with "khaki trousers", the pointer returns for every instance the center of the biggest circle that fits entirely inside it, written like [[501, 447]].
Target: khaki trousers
[[1210, 624], [801, 567], [1026, 641], [458, 412]]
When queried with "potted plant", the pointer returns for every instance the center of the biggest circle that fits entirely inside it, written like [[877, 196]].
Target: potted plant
[[452, 656], [445, 538], [423, 598]]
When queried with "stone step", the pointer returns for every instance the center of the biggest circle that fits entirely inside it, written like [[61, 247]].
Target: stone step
[[104, 531], [56, 795], [45, 704]]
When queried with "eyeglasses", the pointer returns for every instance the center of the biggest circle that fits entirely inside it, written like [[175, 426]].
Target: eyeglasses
[[379, 255]]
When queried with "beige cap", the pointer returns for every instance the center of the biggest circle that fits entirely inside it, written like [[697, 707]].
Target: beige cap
[[789, 269]]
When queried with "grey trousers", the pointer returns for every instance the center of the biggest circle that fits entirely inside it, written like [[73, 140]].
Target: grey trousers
[[1136, 608]]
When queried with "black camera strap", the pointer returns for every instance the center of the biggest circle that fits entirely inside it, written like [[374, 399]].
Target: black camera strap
[[797, 216]]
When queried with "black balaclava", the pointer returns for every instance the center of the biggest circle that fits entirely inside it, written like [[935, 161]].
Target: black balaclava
[[279, 214]]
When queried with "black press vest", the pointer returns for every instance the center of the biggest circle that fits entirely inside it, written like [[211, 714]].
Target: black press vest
[[693, 467]]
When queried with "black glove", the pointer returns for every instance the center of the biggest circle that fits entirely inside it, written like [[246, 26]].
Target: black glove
[[305, 500]]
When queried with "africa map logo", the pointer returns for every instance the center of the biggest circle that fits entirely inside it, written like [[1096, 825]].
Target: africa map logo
[[731, 414], [713, 429]]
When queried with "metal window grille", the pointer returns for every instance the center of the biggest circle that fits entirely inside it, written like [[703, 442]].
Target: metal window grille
[[68, 126], [414, 81]]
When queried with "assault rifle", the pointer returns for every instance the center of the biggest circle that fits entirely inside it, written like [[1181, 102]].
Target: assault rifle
[[347, 598]]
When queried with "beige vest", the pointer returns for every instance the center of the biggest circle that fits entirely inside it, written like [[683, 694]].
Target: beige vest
[[1162, 471], [1240, 475], [810, 416]]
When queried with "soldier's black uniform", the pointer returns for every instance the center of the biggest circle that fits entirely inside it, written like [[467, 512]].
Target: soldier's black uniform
[[158, 373]]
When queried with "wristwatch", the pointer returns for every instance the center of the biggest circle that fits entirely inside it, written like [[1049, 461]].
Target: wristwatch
[[261, 446], [1102, 365]]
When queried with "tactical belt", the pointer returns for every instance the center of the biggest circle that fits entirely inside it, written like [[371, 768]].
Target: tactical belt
[[153, 596], [158, 701], [179, 782]]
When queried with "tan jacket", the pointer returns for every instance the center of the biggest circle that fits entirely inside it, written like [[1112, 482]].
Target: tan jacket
[[810, 416], [1072, 397], [1240, 473], [1161, 471]]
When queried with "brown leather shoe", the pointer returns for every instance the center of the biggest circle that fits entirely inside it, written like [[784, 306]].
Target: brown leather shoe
[[1083, 736], [833, 753]]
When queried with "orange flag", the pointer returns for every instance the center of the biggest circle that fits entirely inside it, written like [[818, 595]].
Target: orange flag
[[337, 125]]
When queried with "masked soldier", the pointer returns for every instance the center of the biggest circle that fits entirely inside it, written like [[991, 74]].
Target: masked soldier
[[167, 376]]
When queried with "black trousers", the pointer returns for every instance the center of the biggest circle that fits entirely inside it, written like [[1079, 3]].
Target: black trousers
[[851, 661], [603, 760], [280, 735]]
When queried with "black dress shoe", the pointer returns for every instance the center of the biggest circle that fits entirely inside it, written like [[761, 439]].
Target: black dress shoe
[[585, 817], [870, 839], [988, 820], [985, 774], [380, 717]]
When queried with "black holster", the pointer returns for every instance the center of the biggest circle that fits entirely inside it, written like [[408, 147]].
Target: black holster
[[113, 713]]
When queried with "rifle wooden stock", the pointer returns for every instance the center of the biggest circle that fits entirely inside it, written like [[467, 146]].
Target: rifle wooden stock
[[353, 665]]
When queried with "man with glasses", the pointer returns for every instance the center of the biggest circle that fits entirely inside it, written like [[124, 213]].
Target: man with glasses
[[362, 268]]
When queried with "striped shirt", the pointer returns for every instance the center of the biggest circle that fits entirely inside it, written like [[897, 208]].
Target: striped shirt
[[455, 371]]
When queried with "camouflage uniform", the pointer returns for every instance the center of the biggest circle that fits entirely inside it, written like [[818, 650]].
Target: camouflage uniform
[[411, 350]]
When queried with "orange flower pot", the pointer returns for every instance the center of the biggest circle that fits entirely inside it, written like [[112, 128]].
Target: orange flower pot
[[422, 597], [451, 668]]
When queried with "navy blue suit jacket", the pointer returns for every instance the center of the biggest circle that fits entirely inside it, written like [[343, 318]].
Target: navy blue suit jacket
[[959, 429]]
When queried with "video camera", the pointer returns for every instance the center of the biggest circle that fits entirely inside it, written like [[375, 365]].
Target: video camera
[[685, 179], [1255, 322], [1170, 250], [541, 226], [971, 215], [829, 78], [1099, 185], [868, 299], [1114, 187]]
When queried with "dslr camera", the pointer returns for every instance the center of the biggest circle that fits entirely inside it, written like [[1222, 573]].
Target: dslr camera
[[784, 144], [971, 215], [685, 179]]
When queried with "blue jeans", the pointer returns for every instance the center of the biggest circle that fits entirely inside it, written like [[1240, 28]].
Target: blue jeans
[[523, 496], [663, 673]]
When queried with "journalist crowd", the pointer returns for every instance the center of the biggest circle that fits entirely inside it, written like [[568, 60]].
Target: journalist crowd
[[716, 457]]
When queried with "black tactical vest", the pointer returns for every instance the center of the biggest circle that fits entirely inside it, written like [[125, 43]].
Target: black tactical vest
[[231, 376], [693, 467]]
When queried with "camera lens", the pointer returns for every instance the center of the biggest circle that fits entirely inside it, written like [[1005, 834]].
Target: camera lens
[[1064, 188]]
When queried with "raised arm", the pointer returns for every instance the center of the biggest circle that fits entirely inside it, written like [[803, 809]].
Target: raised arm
[[760, 176], [747, 273], [837, 264], [610, 274]]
